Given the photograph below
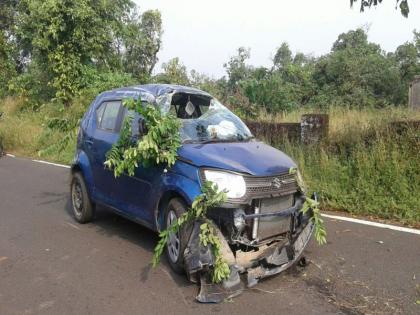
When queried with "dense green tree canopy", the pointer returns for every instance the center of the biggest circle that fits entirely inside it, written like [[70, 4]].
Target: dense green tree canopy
[[57, 43], [355, 73]]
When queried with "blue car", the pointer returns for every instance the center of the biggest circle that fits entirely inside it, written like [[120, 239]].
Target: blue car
[[262, 228]]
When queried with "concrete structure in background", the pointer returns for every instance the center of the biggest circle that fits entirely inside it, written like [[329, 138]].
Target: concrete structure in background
[[273, 132], [414, 93], [314, 128]]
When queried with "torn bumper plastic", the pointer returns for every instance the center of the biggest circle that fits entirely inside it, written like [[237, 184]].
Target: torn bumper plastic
[[282, 257], [273, 260]]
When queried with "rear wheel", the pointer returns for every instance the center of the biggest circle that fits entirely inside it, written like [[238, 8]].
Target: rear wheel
[[81, 205], [177, 241]]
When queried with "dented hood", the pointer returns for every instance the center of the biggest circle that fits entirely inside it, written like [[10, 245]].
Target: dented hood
[[254, 157]]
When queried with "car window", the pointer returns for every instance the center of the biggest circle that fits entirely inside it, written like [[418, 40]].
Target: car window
[[99, 113], [107, 115]]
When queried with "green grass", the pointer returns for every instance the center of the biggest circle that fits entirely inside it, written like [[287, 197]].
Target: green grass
[[24, 130], [380, 179], [363, 168]]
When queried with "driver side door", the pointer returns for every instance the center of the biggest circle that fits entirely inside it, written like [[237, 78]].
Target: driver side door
[[137, 192], [106, 132]]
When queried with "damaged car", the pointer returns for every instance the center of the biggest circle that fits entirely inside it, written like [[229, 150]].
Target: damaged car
[[261, 226]]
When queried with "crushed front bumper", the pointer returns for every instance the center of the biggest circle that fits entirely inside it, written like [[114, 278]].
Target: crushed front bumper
[[281, 258], [272, 260]]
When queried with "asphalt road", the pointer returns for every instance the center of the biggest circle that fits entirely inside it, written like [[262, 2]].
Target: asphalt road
[[49, 264]]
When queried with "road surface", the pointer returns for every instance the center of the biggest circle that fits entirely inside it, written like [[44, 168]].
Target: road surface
[[49, 264]]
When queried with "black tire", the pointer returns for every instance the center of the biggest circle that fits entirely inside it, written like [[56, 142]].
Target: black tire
[[82, 207], [178, 207]]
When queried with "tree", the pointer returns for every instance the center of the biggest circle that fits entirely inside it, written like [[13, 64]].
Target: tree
[[7, 15], [283, 56], [357, 73], [8, 40], [301, 59], [174, 72], [237, 69], [65, 36], [403, 5], [68, 38], [7, 67], [416, 41], [141, 43], [354, 39], [408, 60]]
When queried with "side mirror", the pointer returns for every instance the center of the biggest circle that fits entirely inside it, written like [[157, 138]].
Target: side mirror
[[142, 127], [138, 128]]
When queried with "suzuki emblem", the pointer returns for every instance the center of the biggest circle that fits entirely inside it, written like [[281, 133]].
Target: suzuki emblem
[[276, 183]]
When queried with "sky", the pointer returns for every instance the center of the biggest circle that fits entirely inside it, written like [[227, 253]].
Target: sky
[[205, 34]]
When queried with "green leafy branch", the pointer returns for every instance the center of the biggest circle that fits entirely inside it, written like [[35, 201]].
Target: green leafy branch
[[209, 198], [319, 228], [158, 146], [221, 269]]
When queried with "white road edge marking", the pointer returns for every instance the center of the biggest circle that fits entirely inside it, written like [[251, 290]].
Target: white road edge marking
[[73, 226], [375, 224], [49, 163], [40, 161]]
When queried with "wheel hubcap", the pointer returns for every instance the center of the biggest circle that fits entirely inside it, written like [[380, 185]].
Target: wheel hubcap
[[77, 198], [173, 241]]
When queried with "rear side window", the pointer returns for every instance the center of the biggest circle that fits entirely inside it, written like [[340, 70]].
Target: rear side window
[[107, 115]]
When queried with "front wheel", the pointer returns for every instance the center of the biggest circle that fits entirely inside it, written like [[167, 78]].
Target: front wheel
[[81, 204], [178, 240]]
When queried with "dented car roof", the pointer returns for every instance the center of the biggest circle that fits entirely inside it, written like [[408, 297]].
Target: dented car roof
[[148, 91]]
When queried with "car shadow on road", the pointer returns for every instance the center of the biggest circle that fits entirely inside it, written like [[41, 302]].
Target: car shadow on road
[[110, 224]]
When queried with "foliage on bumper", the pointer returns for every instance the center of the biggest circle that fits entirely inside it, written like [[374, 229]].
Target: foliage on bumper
[[312, 205]]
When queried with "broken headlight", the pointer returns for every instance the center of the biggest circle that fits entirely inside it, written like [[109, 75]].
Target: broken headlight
[[233, 184]]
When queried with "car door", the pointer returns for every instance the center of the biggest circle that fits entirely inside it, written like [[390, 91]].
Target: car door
[[136, 192], [108, 117]]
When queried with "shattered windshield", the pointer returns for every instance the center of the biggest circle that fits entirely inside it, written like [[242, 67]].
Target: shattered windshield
[[204, 119], [212, 123]]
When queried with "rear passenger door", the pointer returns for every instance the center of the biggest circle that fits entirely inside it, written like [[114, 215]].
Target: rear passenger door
[[108, 124]]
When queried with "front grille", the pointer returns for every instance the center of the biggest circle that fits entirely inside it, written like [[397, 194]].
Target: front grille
[[267, 186]]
